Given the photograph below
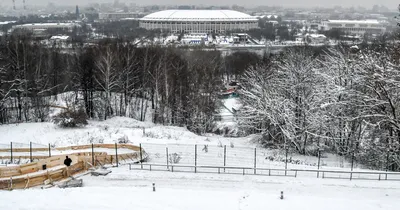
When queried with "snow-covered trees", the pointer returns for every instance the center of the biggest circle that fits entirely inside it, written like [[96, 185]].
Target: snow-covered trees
[[290, 97], [379, 86], [349, 102]]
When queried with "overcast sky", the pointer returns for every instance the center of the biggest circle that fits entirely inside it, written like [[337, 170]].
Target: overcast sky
[[391, 4]]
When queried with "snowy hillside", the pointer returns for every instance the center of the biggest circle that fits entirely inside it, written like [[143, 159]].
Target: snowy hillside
[[228, 123], [155, 138], [109, 131]]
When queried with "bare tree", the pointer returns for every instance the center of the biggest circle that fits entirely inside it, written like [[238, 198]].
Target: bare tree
[[108, 77]]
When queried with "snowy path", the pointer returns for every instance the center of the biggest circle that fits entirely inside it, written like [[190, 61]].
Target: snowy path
[[124, 189]]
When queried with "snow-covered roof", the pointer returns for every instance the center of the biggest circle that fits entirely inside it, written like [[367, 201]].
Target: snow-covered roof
[[274, 16], [48, 24], [316, 35], [198, 15], [60, 37], [354, 21], [7, 22]]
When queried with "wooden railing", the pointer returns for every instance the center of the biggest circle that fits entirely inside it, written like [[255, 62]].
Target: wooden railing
[[34, 174]]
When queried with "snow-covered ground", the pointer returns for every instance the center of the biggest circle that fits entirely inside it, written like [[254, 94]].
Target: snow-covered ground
[[124, 189], [228, 122], [155, 139]]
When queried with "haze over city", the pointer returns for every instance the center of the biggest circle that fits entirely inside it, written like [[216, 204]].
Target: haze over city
[[392, 4]]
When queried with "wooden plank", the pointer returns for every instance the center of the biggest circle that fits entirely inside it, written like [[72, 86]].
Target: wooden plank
[[29, 169]]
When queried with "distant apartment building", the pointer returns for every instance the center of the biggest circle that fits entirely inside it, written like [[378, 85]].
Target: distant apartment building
[[356, 27], [118, 16]]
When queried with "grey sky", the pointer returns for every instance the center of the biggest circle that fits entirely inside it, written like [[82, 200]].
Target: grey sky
[[391, 4]]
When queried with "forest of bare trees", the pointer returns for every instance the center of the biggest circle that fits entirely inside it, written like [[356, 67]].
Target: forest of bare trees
[[115, 78]]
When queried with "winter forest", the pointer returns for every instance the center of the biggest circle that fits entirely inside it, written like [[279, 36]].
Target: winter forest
[[340, 99]]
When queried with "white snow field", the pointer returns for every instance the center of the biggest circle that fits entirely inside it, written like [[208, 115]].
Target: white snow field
[[124, 189]]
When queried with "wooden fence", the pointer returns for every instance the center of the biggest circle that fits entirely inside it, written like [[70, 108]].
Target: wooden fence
[[53, 169]]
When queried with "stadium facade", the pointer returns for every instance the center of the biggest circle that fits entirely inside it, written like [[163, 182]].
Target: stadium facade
[[199, 21], [356, 27]]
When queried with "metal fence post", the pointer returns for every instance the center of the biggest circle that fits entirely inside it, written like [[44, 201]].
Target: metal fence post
[[286, 160], [224, 157], [166, 152], [30, 151], [116, 153], [352, 161], [255, 160], [195, 158], [387, 164], [319, 161], [11, 147], [49, 150], [141, 156], [92, 154], [11, 183]]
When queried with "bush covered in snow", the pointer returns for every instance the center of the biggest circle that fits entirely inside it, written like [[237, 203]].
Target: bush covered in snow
[[174, 158], [71, 119]]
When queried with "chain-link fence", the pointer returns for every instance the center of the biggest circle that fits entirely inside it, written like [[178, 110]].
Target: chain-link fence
[[232, 156]]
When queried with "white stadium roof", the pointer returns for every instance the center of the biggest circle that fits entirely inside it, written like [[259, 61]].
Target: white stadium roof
[[205, 15]]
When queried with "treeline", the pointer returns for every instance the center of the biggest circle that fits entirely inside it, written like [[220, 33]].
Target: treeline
[[344, 100], [115, 78]]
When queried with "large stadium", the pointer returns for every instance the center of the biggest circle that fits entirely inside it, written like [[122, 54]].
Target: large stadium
[[199, 21]]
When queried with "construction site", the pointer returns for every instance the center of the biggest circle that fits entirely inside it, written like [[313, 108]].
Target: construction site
[[49, 170]]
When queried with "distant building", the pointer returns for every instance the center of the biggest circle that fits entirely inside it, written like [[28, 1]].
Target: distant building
[[357, 27], [77, 13], [118, 16], [194, 38], [272, 22], [199, 21], [315, 38], [39, 29]]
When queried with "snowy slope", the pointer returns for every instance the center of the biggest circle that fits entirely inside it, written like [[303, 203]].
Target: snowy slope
[[228, 124], [155, 139], [108, 131]]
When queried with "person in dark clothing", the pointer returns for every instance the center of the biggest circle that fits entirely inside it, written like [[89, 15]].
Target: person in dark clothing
[[67, 161]]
